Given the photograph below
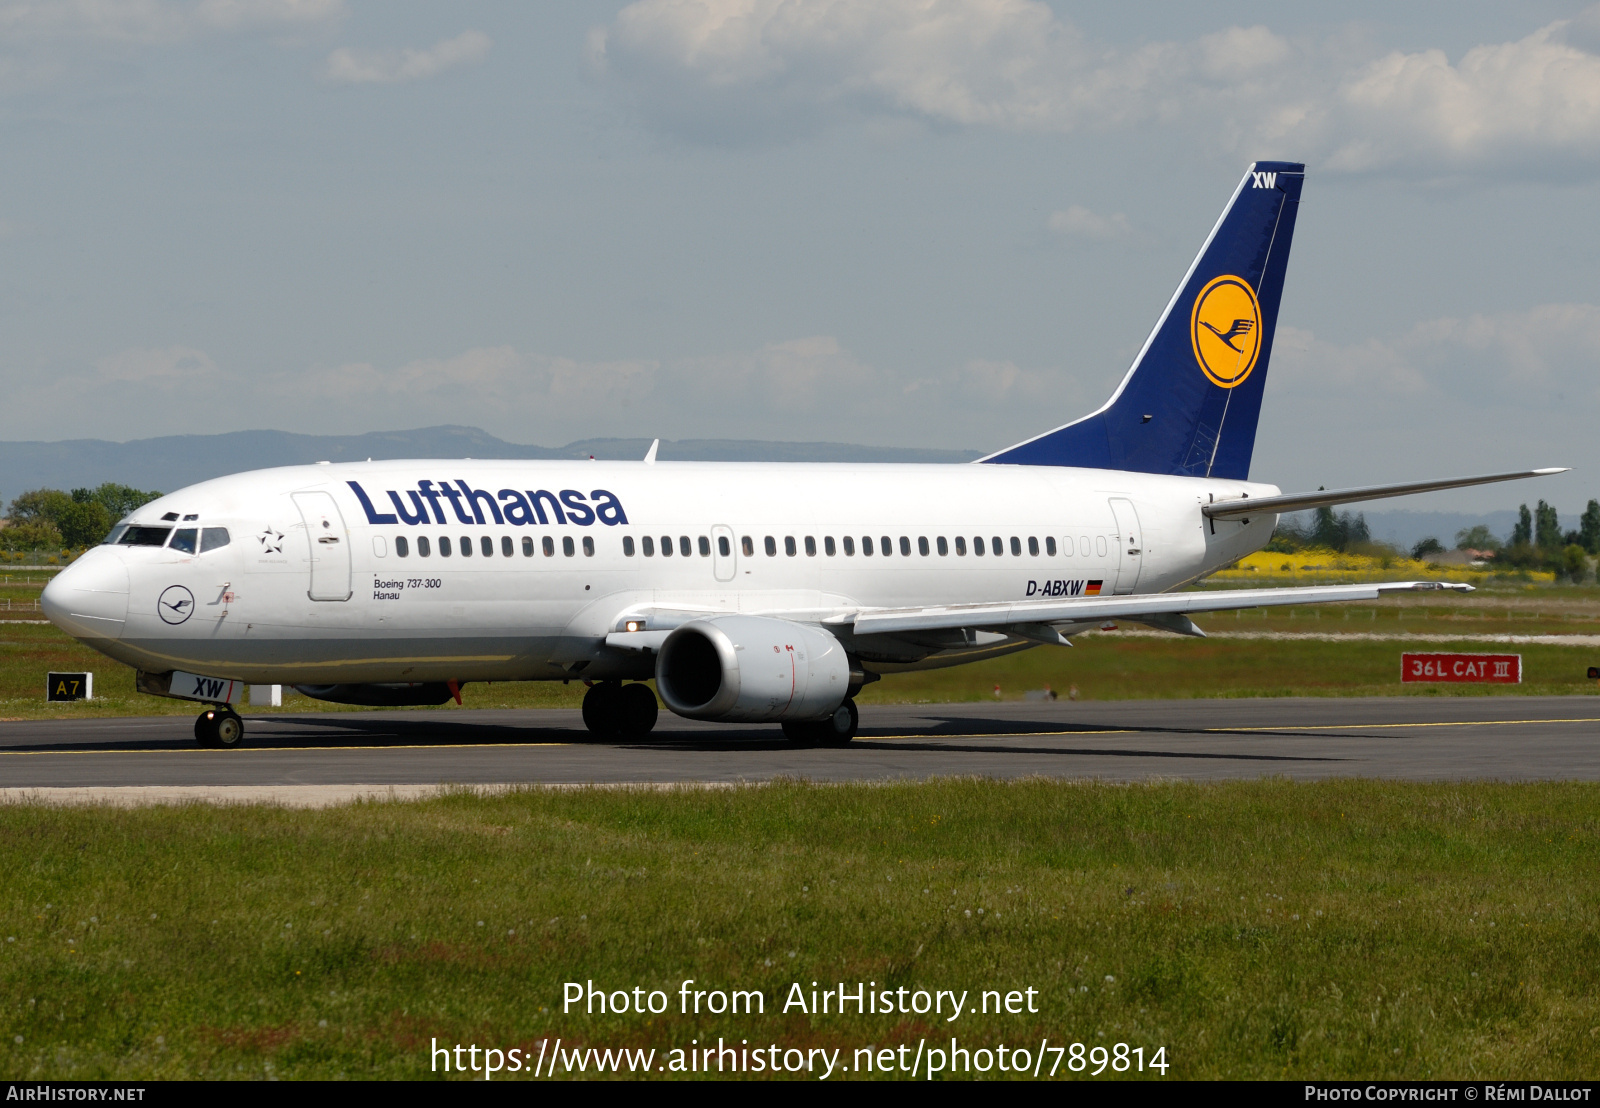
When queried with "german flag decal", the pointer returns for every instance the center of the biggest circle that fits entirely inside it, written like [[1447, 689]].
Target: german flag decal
[[1092, 589]]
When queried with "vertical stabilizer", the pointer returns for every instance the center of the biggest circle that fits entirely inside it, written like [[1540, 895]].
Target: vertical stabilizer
[[1190, 404]]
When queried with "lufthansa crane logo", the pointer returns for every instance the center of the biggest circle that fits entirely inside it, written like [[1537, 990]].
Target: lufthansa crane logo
[[176, 604], [1225, 328]]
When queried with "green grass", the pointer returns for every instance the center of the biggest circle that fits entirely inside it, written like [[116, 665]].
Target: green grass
[[1266, 929]]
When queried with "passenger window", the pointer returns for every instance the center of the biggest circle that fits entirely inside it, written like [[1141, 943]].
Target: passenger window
[[866, 546], [1083, 545], [422, 546], [446, 547], [1067, 547], [527, 546], [506, 548], [567, 547], [705, 547], [486, 544], [466, 547], [849, 546], [724, 547], [213, 538], [1050, 545], [588, 546], [627, 545], [828, 547], [905, 547], [944, 547], [886, 546], [1033, 547], [1100, 545], [811, 547], [961, 546], [402, 547], [749, 546], [184, 539], [922, 546], [649, 545], [788, 545], [549, 547], [772, 547], [380, 547], [685, 547], [977, 545], [666, 546], [997, 546]]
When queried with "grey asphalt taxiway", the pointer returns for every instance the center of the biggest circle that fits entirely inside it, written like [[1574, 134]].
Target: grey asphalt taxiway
[[1510, 738]]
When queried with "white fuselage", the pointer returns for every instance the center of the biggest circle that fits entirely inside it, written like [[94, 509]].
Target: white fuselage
[[315, 587]]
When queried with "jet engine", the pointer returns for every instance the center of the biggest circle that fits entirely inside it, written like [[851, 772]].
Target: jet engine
[[752, 669], [380, 696]]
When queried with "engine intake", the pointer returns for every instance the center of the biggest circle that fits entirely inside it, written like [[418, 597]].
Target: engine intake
[[751, 669]]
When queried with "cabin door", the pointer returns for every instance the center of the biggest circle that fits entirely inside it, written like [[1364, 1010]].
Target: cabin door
[[1130, 544], [330, 546]]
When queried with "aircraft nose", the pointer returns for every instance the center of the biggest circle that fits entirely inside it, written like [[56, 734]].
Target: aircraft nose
[[89, 599]]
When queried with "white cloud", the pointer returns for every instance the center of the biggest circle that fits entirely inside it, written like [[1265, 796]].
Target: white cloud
[[150, 21], [167, 367], [1545, 356], [1081, 223], [806, 389], [726, 70], [229, 14], [369, 67]]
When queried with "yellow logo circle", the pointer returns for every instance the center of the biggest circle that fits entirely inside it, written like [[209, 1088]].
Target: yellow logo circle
[[1225, 328]]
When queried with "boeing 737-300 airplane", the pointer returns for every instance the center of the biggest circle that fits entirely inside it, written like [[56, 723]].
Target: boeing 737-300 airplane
[[750, 592]]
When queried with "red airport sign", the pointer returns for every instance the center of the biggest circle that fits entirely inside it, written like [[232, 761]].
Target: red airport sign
[[1491, 669]]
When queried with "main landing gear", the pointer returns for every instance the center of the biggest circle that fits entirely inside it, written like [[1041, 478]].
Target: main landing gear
[[612, 710], [837, 730], [219, 727]]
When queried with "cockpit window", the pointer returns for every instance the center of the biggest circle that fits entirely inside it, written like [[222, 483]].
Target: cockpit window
[[144, 536], [116, 534], [213, 538], [184, 539]]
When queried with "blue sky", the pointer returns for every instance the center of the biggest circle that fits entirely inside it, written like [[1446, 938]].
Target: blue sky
[[899, 223]]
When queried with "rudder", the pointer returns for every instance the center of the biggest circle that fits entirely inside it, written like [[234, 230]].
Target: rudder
[[1190, 404]]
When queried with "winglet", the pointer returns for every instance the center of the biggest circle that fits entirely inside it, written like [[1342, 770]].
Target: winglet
[[650, 456]]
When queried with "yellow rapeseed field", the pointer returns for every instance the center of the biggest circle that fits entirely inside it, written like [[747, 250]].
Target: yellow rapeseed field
[[1330, 567]]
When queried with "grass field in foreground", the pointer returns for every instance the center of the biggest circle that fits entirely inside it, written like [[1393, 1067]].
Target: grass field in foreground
[[1265, 929]]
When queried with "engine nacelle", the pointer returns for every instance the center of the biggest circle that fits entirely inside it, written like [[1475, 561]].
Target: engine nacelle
[[752, 669]]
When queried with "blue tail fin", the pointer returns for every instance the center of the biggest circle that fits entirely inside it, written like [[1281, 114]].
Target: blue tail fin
[[1190, 403]]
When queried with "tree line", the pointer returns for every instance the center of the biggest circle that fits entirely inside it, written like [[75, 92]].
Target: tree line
[[1535, 543], [49, 519]]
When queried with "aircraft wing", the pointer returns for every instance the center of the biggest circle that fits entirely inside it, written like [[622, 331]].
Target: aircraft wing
[[1167, 610], [1300, 501]]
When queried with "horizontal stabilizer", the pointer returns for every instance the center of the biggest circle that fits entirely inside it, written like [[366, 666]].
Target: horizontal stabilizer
[[1157, 610], [1300, 501]]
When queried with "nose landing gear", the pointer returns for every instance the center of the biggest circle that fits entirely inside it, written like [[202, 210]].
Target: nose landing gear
[[219, 727]]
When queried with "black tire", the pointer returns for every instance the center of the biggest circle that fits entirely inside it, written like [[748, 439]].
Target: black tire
[[803, 732], [839, 728], [205, 728], [229, 730], [638, 709], [602, 710]]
